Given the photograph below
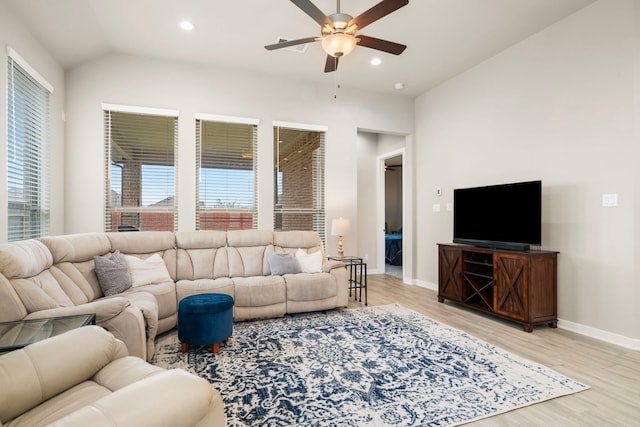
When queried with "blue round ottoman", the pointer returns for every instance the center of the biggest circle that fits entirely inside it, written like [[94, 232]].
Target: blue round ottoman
[[205, 319]]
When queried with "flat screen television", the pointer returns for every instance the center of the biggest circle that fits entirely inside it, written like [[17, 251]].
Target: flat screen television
[[506, 216]]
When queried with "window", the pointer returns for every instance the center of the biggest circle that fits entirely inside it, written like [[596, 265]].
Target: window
[[299, 180], [141, 159], [27, 151], [226, 164]]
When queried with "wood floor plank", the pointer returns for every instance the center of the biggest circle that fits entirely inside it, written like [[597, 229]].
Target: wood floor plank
[[612, 372]]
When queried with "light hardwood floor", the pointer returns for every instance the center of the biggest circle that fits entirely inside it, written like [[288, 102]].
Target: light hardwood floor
[[612, 372]]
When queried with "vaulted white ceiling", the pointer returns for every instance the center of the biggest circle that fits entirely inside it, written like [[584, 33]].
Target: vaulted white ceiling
[[444, 37]]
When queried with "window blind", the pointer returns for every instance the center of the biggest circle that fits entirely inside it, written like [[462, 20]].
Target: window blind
[[299, 180], [27, 154], [141, 160], [226, 164]]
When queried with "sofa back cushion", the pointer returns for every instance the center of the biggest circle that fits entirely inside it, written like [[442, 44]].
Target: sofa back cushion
[[28, 265], [143, 244], [23, 259], [201, 255], [291, 241], [248, 252], [73, 267], [76, 247]]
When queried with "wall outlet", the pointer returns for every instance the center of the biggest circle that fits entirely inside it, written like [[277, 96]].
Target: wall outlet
[[366, 257], [435, 207]]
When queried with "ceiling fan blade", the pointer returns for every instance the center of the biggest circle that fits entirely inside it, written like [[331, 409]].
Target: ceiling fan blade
[[381, 9], [290, 43], [379, 44], [331, 64], [315, 13]]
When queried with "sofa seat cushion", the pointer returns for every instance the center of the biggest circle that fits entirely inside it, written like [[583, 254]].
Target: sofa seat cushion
[[259, 291], [62, 404], [165, 294], [185, 288], [310, 286]]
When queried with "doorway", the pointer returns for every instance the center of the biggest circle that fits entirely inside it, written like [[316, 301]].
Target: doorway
[[391, 212], [393, 206]]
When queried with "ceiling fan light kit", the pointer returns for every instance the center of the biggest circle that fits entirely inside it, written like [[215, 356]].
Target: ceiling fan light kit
[[338, 31], [339, 44]]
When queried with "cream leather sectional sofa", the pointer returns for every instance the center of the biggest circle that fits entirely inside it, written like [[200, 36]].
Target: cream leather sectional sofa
[[84, 377], [55, 276]]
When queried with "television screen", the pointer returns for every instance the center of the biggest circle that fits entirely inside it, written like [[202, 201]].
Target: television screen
[[505, 216]]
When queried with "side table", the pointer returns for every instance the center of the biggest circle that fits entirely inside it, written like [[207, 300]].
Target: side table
[[20, 333], [357, 275]]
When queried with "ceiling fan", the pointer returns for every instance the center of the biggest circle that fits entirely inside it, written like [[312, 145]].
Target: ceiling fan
[[338, 31]]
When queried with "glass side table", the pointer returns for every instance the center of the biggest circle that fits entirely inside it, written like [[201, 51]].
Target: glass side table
[[357, 275], [20, 333]]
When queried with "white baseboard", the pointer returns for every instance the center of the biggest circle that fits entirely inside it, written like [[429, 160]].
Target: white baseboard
[[578, 328], [599, 334], [428, 285]]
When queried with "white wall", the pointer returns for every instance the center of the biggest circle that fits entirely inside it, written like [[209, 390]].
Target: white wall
[[14, 35], [122, 79], [367, 199], [563, 107]]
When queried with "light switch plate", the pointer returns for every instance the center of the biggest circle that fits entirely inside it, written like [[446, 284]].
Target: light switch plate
[[610, 200]]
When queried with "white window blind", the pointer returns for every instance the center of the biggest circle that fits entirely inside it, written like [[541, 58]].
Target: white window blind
[[141, 160], [27, 153], [299, 180], [226, 164]]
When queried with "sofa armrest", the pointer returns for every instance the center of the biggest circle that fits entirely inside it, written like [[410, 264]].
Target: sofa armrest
[[105, 309], [169, 398], [32, 375], [331, 264], [116, 315]]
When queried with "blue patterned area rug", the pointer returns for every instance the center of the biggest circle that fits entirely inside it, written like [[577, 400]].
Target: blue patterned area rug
[[375, 366]]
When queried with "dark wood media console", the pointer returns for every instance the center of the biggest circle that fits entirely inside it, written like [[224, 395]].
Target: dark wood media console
[[520, 286]]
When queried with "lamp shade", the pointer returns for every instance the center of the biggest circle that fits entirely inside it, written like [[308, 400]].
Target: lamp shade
[[340, 227], [339, 44]]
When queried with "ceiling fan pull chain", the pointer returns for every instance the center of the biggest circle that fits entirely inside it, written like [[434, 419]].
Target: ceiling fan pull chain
[[335, 85], [336, 80]]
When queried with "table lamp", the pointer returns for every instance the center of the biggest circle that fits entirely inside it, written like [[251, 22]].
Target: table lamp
[[340, 227]]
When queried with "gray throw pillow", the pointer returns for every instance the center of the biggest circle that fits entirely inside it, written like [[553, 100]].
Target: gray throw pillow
[[113, 274], [283, 263]]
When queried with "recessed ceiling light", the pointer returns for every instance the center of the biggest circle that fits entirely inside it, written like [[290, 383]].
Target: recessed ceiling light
[[399, 86], [186, 25], [376, 61]]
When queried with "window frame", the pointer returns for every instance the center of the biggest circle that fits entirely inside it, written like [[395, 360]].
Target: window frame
[[141, 210], [231, 120], [318, 209], [28, 147]]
